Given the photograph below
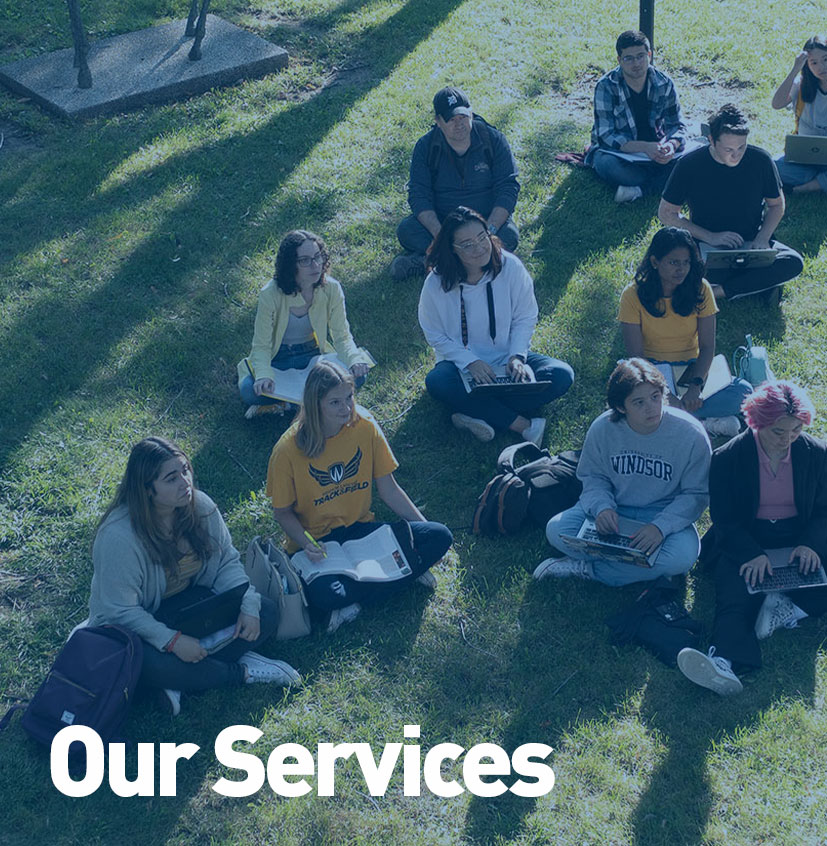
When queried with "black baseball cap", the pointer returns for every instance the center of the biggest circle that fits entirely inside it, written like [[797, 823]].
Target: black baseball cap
[[451, 101]]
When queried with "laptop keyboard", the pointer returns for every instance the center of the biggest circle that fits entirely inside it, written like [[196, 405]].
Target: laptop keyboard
[[788, 578], [614, 540]]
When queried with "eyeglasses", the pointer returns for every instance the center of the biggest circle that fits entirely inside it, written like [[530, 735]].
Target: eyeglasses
[[473, 243], [306, 261], [638, 57]]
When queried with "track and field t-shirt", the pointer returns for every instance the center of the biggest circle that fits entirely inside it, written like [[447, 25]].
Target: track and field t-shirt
[[722, 198], [335, 488]]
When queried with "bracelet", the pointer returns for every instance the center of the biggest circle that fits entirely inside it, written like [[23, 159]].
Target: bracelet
[[171, 645]]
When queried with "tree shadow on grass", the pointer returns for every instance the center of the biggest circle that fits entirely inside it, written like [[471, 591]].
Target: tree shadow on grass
[[47, 328]]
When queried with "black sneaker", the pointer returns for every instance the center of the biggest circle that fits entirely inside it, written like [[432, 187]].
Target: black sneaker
[[403, 267]]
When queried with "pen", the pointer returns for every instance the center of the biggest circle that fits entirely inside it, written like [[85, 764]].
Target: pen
[[314, 542]]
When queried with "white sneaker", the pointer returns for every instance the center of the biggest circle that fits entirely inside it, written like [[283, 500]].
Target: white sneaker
[[725, 427], [428, 579], [173, 700], [628, 193], [261, 670], [339, 616], [778, 610], [478, 428], [563, 568], [534, 431], [710, 671]]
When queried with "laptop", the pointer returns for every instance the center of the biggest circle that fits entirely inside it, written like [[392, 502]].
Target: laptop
[[718, 259], [787, 576], [806, 149], [616, 547], [503, 385], [205, 616]]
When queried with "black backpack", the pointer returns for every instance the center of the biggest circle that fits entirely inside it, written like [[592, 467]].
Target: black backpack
[[539, 489]]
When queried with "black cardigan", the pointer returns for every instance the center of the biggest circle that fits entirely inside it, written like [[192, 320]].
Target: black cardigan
[[734, 495]]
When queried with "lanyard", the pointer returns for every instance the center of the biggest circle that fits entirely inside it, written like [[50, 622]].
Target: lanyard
[[492, 319]]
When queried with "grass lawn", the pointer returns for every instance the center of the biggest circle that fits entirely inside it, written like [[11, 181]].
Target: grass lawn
[[131, 252]]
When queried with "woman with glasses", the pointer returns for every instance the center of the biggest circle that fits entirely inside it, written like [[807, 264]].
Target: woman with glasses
[[301, 314], [477, 310], [805, 89]]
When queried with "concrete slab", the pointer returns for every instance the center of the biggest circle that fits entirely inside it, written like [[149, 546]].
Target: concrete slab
[[148, 66]]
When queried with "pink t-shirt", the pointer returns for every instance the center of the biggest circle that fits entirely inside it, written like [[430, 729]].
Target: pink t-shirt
[[776, 497]]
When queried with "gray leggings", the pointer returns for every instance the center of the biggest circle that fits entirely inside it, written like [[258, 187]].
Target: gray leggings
[[221, 669]]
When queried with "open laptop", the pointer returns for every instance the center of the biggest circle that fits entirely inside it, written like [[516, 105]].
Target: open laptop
[[787, 576], [739, 259], [806, 149], [615, 547], [205, 616], [503, 385]]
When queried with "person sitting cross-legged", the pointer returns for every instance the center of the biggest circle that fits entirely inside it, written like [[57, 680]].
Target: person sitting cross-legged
[[767, 490], [643, 460]]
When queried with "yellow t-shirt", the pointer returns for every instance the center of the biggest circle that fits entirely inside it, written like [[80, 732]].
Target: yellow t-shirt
[[672, 337], [335, 488]]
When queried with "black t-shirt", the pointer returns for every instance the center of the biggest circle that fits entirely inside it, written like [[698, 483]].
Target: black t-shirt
[[722, 198], [639, 104]]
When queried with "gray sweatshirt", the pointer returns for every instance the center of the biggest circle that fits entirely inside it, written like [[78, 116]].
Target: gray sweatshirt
[[127, 585], [667, 469]]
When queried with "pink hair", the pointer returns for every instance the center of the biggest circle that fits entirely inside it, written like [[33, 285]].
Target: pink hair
[[772, 400]]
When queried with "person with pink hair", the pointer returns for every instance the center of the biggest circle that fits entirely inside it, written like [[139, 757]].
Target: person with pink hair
[[767, 490]]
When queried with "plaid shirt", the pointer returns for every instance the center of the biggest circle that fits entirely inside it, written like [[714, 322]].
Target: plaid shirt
[[614, 123]]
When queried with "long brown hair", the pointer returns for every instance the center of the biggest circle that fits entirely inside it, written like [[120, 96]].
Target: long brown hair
[[323, 377], [285, 272], [135, 492]]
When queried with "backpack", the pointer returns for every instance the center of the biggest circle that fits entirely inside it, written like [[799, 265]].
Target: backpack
[[539, 489], [438, 143], [91, 683]]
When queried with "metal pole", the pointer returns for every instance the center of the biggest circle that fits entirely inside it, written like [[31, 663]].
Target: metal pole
[[647, 20]]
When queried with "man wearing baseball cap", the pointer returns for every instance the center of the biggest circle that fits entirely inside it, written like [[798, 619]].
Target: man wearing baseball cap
[[461, 161]]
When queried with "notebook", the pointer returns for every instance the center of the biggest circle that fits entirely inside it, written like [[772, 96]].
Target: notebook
[[786, 576], [806, 149], [615, 547], [718, 378], [503, 384]]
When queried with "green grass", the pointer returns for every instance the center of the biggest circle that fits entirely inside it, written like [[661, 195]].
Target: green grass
[[131, 252]]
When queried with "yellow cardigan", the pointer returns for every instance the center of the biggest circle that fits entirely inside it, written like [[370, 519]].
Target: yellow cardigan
[[328, 320]]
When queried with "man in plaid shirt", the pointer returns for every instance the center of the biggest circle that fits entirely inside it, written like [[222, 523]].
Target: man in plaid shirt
[[636, 112]]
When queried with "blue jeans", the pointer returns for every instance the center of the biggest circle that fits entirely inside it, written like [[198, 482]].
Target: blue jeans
[[295, 357], [413, 236], [650, 176], [430, 540], [677, 554], [793, 174], [445, 385]]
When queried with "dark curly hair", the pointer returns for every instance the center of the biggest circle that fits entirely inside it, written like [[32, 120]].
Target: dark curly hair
[[285, 273], [728, 118], [809, 83], [628, 374], [442, 257], [688, 296]]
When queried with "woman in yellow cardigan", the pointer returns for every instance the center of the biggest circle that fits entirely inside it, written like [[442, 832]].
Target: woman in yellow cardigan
[[301, 313]]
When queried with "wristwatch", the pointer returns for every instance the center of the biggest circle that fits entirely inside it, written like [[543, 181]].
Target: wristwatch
[[493, 229]]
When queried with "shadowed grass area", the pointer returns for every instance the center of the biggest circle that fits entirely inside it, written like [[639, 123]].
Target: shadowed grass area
[[131, 252]]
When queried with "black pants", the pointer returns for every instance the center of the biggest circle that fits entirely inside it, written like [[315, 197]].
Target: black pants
[[221, 669], [733, 630], [741, 283]]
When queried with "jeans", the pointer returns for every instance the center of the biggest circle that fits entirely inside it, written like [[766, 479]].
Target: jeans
[[295, 357], [742, 283], [733, 630], [649, 176], [793, 174], [676, 555], [221, 669], [445, 385], [430, 540], [414, 237]]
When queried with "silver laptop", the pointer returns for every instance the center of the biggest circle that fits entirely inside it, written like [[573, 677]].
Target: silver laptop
[[503, 384], [616, 547], [787, 576], [806, 149], [739, 259]]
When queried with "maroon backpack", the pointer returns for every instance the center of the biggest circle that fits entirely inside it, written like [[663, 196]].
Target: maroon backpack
[[91, 683]]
